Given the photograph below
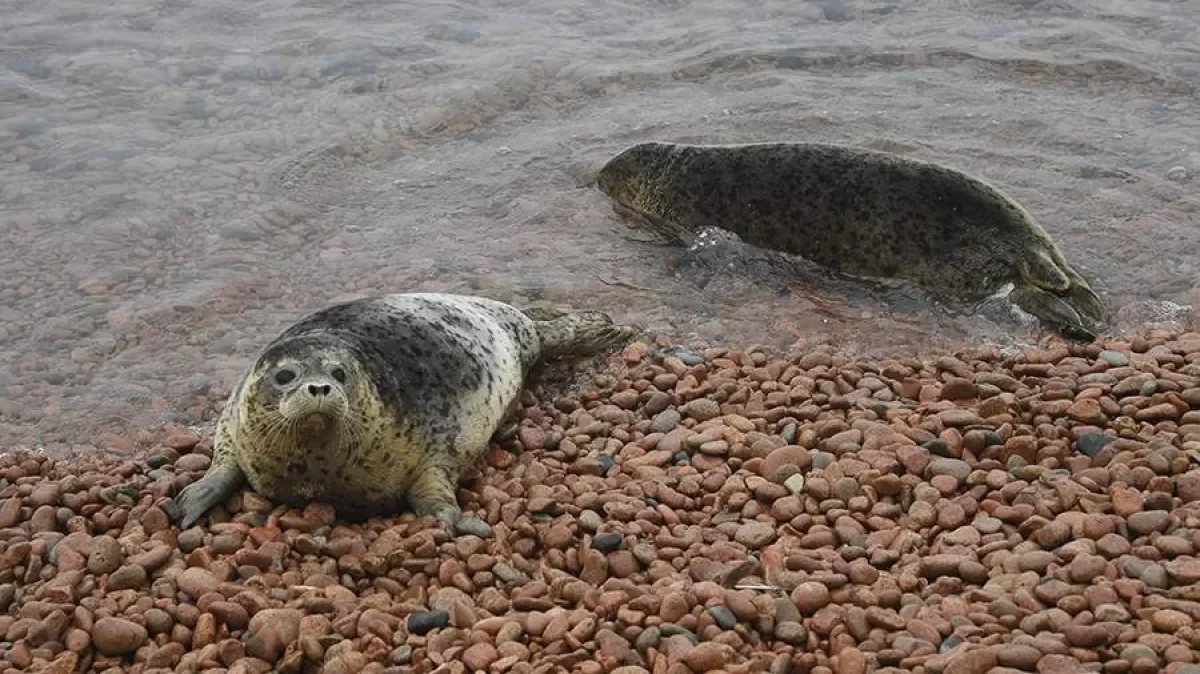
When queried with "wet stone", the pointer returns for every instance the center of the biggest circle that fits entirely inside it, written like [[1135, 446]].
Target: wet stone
[[607, 541], [725, 618], [1091, 444], [423, 622]]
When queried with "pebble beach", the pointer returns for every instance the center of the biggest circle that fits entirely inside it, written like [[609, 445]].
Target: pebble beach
[[857, 493], [674, 510]]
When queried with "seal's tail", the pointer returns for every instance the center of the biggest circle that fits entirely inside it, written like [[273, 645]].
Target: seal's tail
[[578, 334]]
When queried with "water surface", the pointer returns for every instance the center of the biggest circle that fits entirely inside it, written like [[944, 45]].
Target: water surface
[[180, 180]]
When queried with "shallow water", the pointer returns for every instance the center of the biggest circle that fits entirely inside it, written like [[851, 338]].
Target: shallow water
[[180, 180]]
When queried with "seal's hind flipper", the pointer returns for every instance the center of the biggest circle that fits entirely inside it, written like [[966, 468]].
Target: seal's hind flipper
[[1085, 301], [1054, 292], [199, 497], [543, 313], [581, 334], [1053, 311], [1043, 271]]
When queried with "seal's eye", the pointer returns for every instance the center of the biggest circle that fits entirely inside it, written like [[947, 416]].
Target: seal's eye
[[283, 377], [339, 374]]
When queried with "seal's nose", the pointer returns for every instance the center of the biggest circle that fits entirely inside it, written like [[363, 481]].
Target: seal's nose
[[318, 391]]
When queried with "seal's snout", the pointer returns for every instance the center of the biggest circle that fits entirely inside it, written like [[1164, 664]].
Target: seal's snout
[[320, 393], [316, 395]]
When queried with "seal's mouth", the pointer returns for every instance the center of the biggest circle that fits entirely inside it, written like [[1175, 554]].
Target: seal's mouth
[[318, 422]]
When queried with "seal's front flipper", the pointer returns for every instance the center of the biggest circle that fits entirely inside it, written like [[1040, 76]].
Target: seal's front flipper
[[433, 495], [1054, 311], [197, 498], [509, 425]]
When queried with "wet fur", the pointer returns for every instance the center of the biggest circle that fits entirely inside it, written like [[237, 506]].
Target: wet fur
[[858, 212]]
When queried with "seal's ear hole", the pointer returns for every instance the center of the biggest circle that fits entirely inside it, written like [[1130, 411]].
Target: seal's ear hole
[[284, 377], [339, 374]]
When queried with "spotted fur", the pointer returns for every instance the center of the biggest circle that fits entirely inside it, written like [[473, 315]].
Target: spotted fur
[[428, 378], [858, 212]]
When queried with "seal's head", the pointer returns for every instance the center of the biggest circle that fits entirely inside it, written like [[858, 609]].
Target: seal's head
[[310, 382], [631, 178]]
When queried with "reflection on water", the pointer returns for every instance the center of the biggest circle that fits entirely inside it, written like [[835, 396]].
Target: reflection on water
[[181, 180]]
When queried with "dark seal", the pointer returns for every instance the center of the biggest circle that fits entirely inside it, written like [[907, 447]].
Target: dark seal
[[861, 213]]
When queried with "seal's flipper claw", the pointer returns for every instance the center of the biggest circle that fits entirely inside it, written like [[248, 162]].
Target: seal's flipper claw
[[472, 526], [433, 495], [1054, 311], [1085, 301], [199, 497]]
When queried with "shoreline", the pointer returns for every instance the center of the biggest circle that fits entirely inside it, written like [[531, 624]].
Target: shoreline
[[685, 511]]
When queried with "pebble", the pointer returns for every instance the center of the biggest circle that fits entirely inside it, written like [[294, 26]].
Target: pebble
[[1091, 444], [118, 636], [423, 622], [607, 541], [106, 555], [810, 597], [198, 582], [755, 535], [739, 513], [725, 618]]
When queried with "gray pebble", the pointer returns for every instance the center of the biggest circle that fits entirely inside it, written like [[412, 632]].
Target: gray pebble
[[789, 433], [937, 447], [608, 541], [425, 621], [992, 438], [473, 526], [1135, 652], [665, 421], [509, 574], [671, 629], [401, 655], [1114, 358], [658, 402], [957, 468], [725, 618], [688, 356], [1090, 444], [590, 520], [1155, 575], [949, 643], [648, 639], [8, 592], [791, 633], [159, 460]]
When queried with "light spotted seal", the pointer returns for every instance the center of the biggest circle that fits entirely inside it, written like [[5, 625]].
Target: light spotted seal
[[861, 213], [383, 400]]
